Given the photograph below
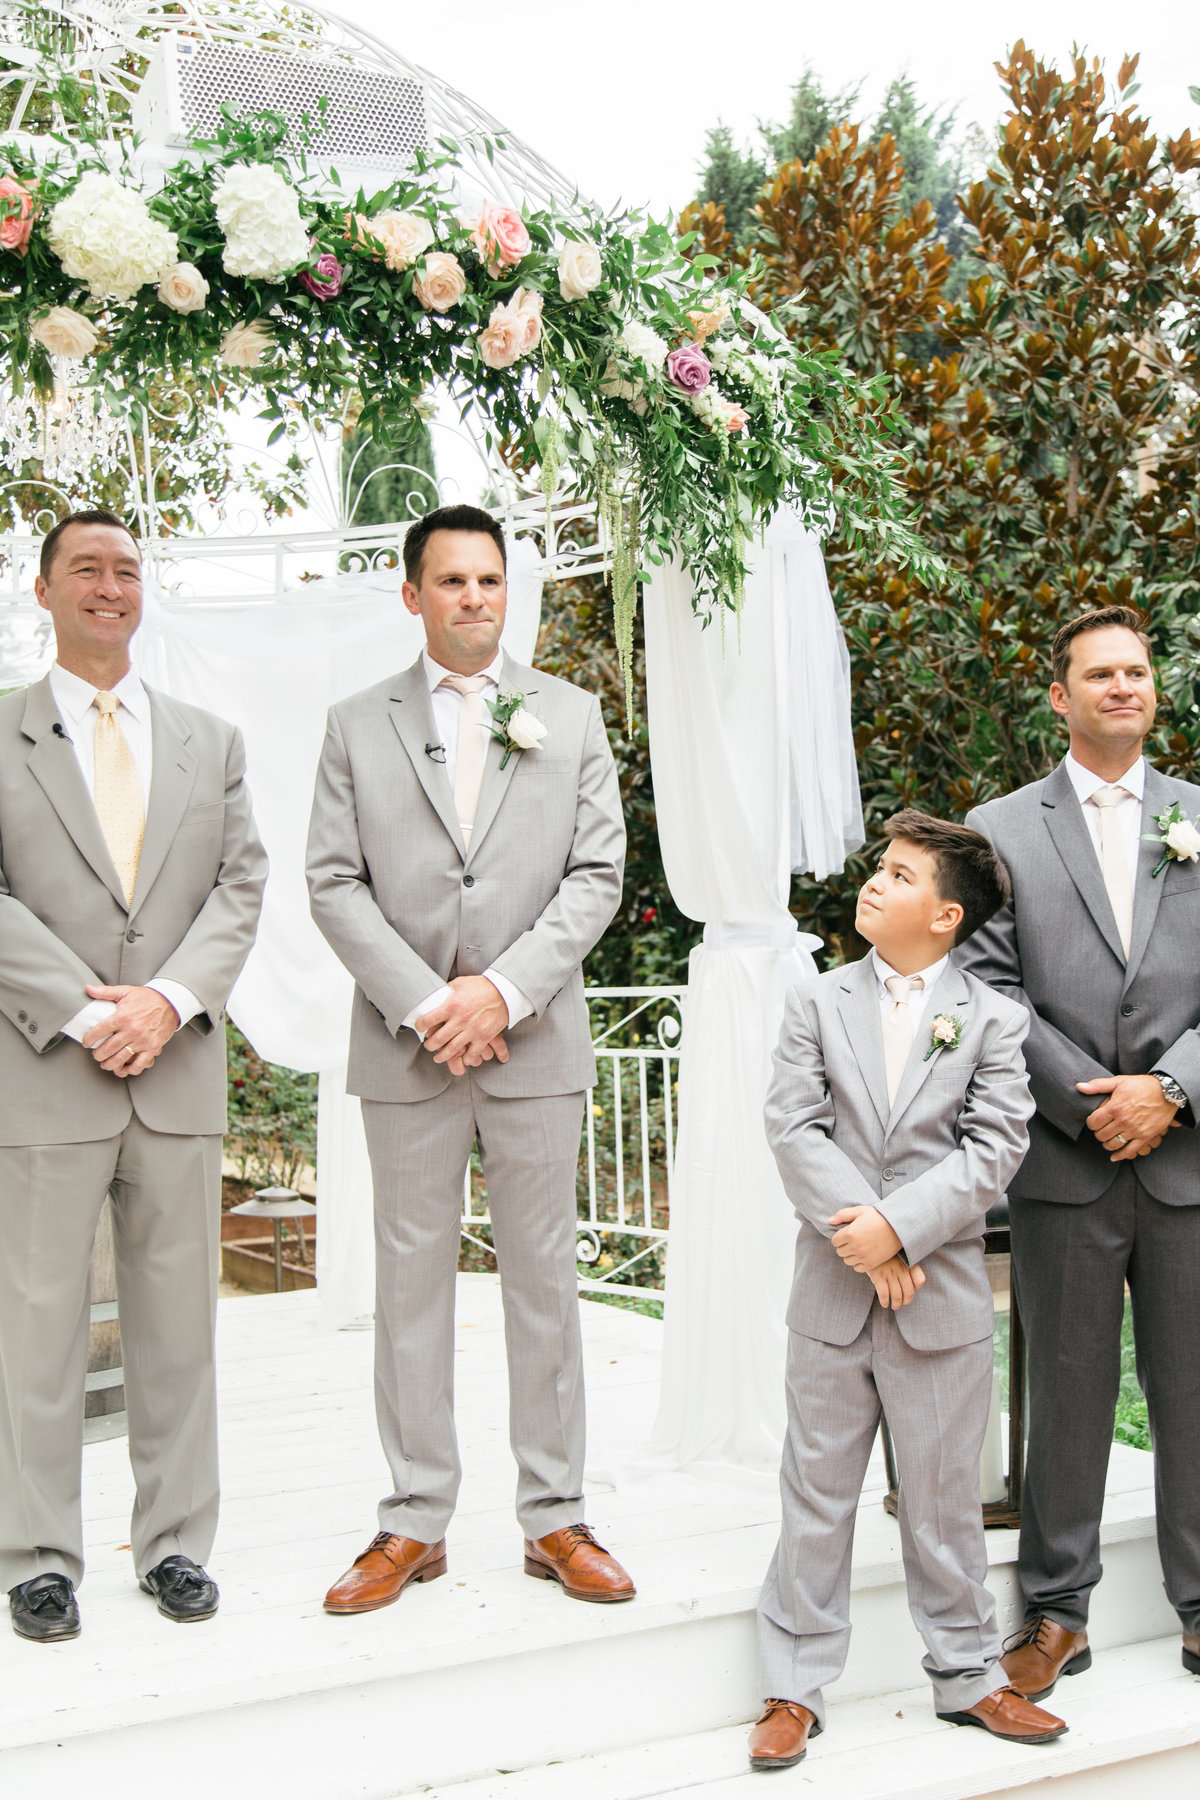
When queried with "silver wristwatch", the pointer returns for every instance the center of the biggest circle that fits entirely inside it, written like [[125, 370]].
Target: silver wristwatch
[[1170, 1087]]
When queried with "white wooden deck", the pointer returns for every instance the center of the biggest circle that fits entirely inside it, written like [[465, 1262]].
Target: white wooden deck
[[487, 1671]]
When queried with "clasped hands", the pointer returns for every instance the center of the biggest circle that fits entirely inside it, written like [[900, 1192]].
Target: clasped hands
[[1134, 1119], [467, 1027], [130, 1038], [867, 1243]]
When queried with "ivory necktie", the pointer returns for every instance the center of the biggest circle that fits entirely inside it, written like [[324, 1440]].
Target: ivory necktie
[[468, 762], [1114, 860], [117, 792], [898, 1030]]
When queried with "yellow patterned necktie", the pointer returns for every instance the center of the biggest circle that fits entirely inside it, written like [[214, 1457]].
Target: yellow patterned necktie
[[117, 792]]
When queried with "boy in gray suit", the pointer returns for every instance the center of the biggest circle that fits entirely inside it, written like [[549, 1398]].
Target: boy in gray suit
[[897, 1114]]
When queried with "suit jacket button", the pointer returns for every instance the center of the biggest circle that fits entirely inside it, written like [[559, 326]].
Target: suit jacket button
[[1126, 1010], [21, 1018], [32, 1026], [888, 1173], [468, 881]]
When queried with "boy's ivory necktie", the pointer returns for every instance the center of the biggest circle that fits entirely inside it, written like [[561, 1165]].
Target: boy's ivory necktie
[[117, 793], [898, 1030], [472, 745], [1114, 860]]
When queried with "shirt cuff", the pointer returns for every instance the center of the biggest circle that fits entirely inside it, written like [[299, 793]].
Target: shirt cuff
[[435, 999], [86, 1017], [181, 998], [518, 1006]]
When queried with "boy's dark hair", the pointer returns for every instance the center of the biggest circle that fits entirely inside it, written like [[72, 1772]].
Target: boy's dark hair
[[1101, 618], [448, 518], [94, 515], [968, 869]]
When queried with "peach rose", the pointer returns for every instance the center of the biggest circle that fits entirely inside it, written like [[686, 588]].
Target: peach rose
[[736, 417], [183, 288], [441, 283], [705, 322], [405, 237], [529, 308], [65, 332], [579, 269], [503, 338], [244, 346], [17, 224], [500, 238]]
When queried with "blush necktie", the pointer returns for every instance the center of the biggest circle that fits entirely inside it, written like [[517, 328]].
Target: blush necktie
[[898, 1030], [473, 716], [117, 793], [1114, 860]]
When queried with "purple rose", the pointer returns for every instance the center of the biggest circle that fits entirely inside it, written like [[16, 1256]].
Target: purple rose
[[324, 280], [689, 368]]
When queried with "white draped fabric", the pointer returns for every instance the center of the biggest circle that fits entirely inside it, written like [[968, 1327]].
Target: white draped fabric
[[753, 776]]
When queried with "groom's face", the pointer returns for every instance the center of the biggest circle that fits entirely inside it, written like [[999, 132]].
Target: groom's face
[[1108, 698], [461, 597]]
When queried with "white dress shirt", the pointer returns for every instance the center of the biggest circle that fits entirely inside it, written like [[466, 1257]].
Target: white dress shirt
[[917, 997], [73, 697], [447, 705], [1128, 811]]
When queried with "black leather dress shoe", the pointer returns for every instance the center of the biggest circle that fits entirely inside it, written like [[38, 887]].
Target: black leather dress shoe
[[182, 1590], [45, 1609]]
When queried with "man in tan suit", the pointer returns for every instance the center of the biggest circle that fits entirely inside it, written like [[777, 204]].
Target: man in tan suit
[[462, 879], [131, 878]]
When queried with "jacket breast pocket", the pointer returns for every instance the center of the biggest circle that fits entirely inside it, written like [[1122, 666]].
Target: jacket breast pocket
[[948, 1068], [203, 814], [1182, 885]]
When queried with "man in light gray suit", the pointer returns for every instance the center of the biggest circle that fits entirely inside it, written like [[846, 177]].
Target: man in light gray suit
[[131, 879], [897, 1112], [1101, 944], [465, 854]]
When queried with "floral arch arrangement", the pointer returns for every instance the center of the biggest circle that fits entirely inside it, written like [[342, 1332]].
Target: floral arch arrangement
[[594, 345]]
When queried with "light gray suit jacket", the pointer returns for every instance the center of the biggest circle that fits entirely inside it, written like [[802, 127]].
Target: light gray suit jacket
[[64, 922], [1055, 949], [406, 907], [932, 1165]]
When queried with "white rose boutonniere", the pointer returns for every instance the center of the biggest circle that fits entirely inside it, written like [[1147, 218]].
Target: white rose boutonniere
[[945, 1034], [1177, 837], [514, 725]]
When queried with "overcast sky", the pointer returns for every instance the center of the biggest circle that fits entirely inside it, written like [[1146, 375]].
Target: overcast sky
[[618, 94]]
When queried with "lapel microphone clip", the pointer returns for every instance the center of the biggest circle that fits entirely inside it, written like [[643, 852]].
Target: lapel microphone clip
[[436, 752], [58, 731]]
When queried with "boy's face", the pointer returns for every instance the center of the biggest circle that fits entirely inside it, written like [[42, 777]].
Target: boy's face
[[900, 910]]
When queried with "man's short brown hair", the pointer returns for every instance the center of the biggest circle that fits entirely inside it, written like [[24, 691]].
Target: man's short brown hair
[[968, 869], [1101, 618], [94, 515], [448, 518]]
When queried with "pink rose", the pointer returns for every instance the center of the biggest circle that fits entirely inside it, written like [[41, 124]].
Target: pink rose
[[500, 238], [17, 222], [689, 368], [324, 280], [529, 308], [441, 283], [503, 338]]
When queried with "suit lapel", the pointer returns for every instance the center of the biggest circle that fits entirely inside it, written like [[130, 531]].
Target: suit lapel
[[1147, 892], [950, 994], [412, 715], [858, 1003], [1067, 827], [496, 779], [55, 767], [172, 779]]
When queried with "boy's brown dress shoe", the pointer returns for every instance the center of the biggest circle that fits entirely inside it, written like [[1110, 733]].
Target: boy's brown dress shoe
[[1040, 1652], [1191, 1654], [1006, 1714], [574, 1559], [780, 1738], [383, 1571]]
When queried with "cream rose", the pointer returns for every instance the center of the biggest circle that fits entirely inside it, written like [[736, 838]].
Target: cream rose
[[183, 288], [1183, 840], [65, 332], [441, 283], [579, 269], [405, 237], [525, 730], [244, 346]]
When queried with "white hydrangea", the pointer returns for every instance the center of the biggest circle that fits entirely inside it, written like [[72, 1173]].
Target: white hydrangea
[[102, 233], [640, 341], [259, 212]]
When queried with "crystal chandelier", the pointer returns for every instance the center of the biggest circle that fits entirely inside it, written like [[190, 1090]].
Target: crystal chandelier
[[71, 434]]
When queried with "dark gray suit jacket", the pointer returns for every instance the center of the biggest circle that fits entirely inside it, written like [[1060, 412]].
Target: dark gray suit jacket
[[1056, 949]]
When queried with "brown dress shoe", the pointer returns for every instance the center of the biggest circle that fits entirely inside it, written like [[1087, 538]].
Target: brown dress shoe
[[574, 1559], [1040, 1652], [1191, 1654], [1007, 1714], [780, 1738], [383, 1571]]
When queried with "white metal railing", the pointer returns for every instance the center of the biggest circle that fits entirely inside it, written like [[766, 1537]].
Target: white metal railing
[[627, 1154]]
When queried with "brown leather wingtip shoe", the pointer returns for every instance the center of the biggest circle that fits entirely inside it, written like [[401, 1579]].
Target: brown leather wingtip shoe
[[383, 1571], [1007, 1714], [1040, 1652], [780, 1738], [582, 1569]]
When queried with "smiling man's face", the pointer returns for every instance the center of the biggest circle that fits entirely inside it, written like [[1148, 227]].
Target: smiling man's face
[[1108, 700], [461, 598], [93, 592]]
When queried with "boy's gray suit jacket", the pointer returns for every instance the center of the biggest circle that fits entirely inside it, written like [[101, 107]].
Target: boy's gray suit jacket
[[932, 1165], [1092, 1010], [406, 906]]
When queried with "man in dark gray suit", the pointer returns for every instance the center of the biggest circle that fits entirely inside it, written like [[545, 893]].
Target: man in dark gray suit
[[1101, 942]]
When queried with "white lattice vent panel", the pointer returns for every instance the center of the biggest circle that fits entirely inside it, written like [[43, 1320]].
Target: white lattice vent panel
[[372, 117]]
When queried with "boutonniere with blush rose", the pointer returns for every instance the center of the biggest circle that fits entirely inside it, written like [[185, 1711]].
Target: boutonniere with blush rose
[[945, 1034], [514, 725], [1178, 838]]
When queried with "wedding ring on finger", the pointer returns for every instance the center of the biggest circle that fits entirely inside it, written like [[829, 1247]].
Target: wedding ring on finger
[[131, 1052], [1122, 1139]]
